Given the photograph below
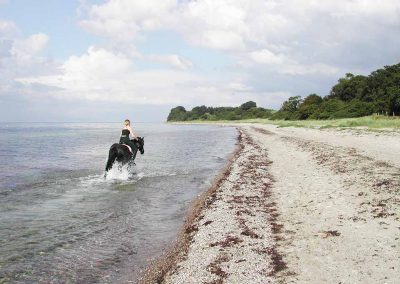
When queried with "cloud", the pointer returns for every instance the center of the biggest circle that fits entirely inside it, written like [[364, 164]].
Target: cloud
[[307, 31], [315, 68], [276, 48], [7, 28], [308, 44], [172, 60], [91, 75], [265, 56], [213, 24], [205, 22], [21, 57], [102, 75], [122, 20], [286, 65], [23, 50]]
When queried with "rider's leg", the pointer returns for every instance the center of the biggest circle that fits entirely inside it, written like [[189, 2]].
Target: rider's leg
[[134, 149]]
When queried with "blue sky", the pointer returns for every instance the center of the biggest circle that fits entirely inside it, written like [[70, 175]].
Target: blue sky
[[108, 60], [57, 19]]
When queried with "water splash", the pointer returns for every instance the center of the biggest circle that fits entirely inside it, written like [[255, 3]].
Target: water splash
[[119, 173]]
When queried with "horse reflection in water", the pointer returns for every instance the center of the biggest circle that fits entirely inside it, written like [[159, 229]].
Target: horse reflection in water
[[124, 154]]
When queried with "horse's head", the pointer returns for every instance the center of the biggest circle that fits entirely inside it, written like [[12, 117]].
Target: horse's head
[[140, 144]]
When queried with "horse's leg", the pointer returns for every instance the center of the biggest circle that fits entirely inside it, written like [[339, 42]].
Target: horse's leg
[[134, 154], [112, 155]]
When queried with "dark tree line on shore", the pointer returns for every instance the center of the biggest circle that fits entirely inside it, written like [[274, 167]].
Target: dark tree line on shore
[[245, 111], [352, 96]]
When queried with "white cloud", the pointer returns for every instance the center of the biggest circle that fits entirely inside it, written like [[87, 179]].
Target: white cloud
[[305, 43], [90, 76], [96, 63], [286, 65], [277, 48], [219, 39], [172, 60], [101, 75], [239, 86], [36, 43], [265, 56], [207, 22], [122, 20], [26, 48], [245, 25], [7, 29], [21, 56], [315, 68], [213, 24]]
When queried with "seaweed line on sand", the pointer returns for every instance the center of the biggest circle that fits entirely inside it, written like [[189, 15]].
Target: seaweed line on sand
[[158, 268]]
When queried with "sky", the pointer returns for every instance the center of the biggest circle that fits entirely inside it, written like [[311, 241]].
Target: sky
[[104, 61]]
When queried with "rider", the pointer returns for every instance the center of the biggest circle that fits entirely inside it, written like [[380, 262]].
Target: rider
[[126, 130]]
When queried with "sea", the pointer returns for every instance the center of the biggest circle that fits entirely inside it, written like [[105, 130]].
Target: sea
[[62, 221]]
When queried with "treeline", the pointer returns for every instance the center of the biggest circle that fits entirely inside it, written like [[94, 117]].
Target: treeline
[[352, 96], [245, 111]]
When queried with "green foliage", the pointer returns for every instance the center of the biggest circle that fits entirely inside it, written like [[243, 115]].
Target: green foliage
[[292, 104], [177, 114], [309, 106], [328, 109], [372, 122], [247, 110], [248, 105], [348, 88], [352, 96]]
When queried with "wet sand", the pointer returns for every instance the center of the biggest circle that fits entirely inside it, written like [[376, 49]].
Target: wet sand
[[295, 206]]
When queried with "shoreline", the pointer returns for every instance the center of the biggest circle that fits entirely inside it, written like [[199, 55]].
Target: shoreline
[[159, 267], [367, 124], [297, 205]]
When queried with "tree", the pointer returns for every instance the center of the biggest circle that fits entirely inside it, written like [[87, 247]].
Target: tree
[[248, 105], [245, 111], [382, 89], [292, 104], [328, 109], [309, 106], [199, 110], [348, 88], [177, 114], [351, 96], [394, 99]]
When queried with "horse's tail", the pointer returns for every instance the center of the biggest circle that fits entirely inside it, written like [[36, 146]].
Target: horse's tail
[[112, 155]]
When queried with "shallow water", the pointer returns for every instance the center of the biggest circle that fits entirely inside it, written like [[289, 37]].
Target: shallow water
[[61, 221]]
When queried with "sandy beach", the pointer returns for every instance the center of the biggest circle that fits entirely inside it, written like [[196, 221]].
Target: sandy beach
[[295, 205]]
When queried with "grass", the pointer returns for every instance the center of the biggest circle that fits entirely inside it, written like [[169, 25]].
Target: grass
[[371, 122]]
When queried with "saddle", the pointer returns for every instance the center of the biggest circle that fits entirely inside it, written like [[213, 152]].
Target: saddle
[[129, 148]]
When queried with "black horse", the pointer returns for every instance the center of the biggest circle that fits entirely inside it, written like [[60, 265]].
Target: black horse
[[122, 153]]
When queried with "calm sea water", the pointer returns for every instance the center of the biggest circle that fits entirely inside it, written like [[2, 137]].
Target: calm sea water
[[62, 222]]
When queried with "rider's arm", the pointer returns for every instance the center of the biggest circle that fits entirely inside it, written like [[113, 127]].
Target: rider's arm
[[133, 133]]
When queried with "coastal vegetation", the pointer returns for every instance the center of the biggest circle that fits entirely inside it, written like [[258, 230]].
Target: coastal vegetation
[[245, 111], [353, 96], [372, 122]]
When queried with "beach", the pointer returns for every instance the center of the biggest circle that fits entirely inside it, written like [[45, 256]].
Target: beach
[[294, 205]]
